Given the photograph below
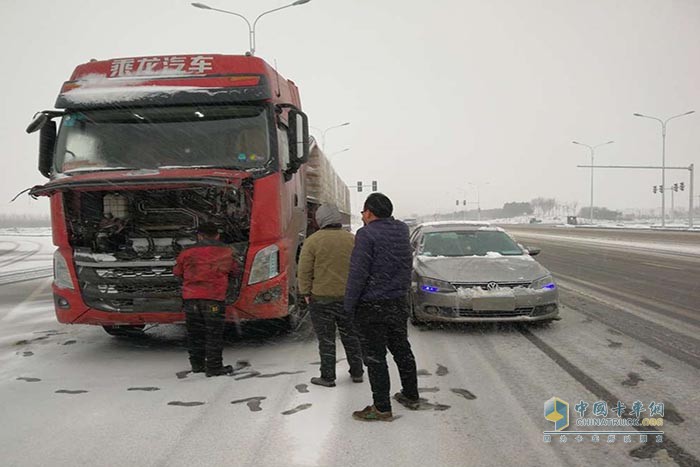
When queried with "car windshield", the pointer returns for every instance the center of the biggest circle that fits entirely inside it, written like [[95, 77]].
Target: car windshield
[[151, 138], [469, 243]]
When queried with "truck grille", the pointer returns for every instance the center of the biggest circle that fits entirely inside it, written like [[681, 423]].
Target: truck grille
[[126, 288], [126, 272]]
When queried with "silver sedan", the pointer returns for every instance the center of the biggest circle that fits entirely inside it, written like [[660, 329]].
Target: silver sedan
[[466, 272]]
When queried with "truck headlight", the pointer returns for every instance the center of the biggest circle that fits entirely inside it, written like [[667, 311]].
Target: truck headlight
[[546, 282], [61, 273], [435, 285], [266, 265]]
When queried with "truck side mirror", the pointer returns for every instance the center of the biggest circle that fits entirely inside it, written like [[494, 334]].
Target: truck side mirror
[[38, 122], [298, 138], [47, 141]]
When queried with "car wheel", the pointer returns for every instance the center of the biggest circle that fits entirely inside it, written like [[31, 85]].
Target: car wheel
[[412, 312]]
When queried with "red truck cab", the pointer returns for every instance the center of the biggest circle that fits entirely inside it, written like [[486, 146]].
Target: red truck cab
[[146, 149]]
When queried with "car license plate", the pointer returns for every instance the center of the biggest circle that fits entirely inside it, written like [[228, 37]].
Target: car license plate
[[493, 303]]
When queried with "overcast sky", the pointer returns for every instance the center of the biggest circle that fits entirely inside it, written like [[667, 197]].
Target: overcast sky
[[439, 93]]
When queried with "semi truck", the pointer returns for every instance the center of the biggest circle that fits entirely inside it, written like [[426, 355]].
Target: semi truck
[[139, 151]]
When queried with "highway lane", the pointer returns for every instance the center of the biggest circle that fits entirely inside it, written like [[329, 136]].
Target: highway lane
[[646, 292], [665, 282]]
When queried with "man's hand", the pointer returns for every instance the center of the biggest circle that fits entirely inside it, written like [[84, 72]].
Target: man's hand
[[307, 299]]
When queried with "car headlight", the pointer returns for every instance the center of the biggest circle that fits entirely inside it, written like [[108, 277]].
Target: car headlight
[[61, 273], [546, 282], [266, 265], [435, 286]]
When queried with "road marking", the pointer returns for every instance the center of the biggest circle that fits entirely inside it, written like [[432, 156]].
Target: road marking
[[657, 265], [597, 293], [686, 252]]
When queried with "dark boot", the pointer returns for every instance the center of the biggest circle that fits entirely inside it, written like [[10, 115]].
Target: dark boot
[[412, 404], [329, 383], [224, 370]]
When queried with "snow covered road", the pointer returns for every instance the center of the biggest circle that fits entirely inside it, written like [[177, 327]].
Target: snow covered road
[[72, 395]]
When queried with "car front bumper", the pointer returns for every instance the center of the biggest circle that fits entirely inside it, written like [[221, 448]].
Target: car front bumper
[[515, 305]]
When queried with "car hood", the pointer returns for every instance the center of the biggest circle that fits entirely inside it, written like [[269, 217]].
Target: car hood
[[479, 268]]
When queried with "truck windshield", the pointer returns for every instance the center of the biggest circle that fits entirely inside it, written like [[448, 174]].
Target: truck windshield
[[151, 138]]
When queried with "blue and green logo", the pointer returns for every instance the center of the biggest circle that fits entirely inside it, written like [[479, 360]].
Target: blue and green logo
[[557, 411]]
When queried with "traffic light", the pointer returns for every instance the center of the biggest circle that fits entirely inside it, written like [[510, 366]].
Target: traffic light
[[675, 187], [464, 202], [661, 188], [654, 188], [374, 185], [457, 202], [359, 187], [681, 186]]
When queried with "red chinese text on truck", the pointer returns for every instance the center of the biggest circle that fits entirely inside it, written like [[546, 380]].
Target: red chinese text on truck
[[147, 148]]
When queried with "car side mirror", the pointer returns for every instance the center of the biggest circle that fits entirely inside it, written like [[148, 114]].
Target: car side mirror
[[533, 251]]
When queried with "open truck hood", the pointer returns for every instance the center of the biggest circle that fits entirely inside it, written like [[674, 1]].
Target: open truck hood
[[156, 178]]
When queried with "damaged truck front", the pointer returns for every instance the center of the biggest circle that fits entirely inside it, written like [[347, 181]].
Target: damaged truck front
[[147, 149]]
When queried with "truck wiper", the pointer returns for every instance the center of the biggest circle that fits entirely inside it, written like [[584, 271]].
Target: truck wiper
[[97, 169]]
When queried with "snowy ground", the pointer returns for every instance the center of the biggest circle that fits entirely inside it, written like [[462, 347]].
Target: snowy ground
[[72, 395], [25, 253]]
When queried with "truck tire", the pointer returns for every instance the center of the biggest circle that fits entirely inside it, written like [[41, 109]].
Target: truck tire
[[133, 330], [297, 321]]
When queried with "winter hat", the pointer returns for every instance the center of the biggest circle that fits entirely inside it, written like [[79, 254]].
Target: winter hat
[[379, 205], [328, 214]]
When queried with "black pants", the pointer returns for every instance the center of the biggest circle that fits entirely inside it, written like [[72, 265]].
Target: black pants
[[205, 333], [325, 317], [382, 324]]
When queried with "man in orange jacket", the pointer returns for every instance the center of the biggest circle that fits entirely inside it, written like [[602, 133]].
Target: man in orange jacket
[[205, 269]]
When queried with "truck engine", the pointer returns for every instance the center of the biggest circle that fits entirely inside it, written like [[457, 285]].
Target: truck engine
[[126, 242]]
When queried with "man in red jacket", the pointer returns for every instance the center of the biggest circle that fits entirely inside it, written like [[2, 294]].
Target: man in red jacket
[[205, 269]]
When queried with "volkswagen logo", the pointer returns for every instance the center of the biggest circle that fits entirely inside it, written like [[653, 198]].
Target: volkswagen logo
[[492, 286]]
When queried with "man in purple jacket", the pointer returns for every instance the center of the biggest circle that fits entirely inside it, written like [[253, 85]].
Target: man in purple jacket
[[376, 293]]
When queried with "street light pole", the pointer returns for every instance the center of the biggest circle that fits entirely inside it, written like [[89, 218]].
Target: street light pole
[[338, 152], [323, 134], [592, 149], [663, 158], [251, 28], [478, 199]]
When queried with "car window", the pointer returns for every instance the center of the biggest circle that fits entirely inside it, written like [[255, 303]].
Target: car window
[[469, 243]]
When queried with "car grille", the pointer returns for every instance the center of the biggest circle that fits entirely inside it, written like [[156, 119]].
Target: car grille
[[488, 286], [469, 313]]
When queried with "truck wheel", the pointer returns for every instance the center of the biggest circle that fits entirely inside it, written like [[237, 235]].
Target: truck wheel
[[133, 330], [296, 321]]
